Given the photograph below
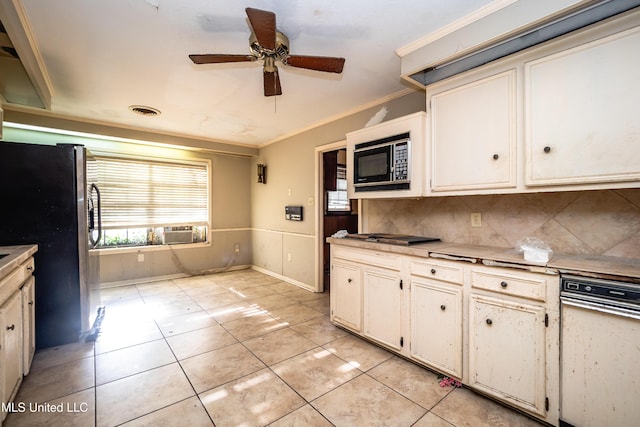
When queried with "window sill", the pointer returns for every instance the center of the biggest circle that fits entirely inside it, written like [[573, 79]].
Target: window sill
[[150, 248]]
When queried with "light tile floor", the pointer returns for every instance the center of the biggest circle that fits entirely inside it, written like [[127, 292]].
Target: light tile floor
[[236, 349]]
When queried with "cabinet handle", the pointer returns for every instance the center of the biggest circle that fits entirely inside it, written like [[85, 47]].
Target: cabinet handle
[[489, 322], [11, 328], [443, 307], [547, 149], [433, 271], [496, 157], [30, 268], [349, 280], [30, 303], [503, 284]]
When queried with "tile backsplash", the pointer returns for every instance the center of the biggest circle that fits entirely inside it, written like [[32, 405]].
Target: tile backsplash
[[603, 222]]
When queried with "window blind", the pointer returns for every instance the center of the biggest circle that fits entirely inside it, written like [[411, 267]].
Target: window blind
[[151, 194]]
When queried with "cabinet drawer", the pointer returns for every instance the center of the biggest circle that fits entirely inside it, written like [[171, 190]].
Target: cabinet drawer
[[438, 271], [14, 280], [521, 284], [378, 259]]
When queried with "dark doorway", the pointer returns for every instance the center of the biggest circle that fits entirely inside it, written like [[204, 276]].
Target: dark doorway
[[340, 213]]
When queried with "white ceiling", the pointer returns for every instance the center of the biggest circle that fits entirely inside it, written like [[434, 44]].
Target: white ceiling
[[103, 56]]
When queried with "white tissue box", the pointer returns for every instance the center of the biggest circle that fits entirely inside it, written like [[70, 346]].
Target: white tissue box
[[536, 255]]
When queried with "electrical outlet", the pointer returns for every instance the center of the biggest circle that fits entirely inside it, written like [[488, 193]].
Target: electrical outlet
[[476, 219], [236, 248], [289, 192], [140, 257], [289, 257], [310, 201]]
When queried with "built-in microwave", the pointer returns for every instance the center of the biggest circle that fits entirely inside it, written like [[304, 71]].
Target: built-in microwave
[[383, 164]]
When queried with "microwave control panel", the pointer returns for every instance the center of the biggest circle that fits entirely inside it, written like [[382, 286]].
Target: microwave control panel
[[401, 161]]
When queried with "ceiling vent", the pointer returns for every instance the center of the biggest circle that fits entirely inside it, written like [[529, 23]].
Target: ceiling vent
[[144, 110]]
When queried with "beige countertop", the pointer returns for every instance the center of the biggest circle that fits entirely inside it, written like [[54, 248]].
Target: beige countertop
[[15, 255], [508, 257]]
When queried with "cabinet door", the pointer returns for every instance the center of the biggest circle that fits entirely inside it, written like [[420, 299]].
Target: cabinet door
[[28, 323], [436, 325], [383, 307], [11, 324], [473, 134], [507, 351], [346, 295], [581, 113]]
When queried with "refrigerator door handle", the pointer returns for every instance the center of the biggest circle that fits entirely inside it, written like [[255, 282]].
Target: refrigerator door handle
[[94, 241]]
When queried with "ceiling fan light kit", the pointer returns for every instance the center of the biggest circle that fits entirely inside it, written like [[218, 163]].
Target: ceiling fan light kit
[[268, 44]]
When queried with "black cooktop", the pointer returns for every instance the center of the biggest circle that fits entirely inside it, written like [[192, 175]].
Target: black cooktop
[[394, 239]]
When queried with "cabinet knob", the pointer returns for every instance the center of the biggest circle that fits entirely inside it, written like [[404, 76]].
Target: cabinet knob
[[30, 268], [30, 303], [349, 280], [489, 322], [547, 149], [443, 307], [504, 284], [11, 328], [496, 157], [433, 271]]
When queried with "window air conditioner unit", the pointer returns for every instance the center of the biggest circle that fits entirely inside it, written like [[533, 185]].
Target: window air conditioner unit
[[172, 236]]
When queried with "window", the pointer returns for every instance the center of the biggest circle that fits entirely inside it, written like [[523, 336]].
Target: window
[[338, 201], [151, 202]]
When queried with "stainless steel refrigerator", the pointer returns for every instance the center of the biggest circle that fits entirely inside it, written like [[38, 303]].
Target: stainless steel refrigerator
[[45, 200]]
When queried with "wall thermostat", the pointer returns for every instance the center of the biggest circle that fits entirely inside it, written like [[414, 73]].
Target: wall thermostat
[[293, 213]]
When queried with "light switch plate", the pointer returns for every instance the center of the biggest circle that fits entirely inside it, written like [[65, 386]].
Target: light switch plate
[[476, 220]]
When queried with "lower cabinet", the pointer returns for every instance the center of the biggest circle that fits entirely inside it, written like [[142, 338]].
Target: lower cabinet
[[495, 329], [346, 295], [436, 326], [11, 342], [437, 315], [383, 304], [507, 351], [28, 293], [17, 333]]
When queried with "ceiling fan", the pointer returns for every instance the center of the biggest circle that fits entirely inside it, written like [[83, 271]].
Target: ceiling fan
[[270, 45]]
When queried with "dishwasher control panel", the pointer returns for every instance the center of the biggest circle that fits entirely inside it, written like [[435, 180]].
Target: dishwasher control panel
[[606, 289]]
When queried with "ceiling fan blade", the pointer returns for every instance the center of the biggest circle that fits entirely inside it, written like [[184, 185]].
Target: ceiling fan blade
[[220, 58], [318, 63], [263, 24], [272, 83]]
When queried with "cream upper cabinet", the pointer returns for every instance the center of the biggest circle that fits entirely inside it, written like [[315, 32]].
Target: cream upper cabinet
[[581, 113], [561, 116], [472, 131]]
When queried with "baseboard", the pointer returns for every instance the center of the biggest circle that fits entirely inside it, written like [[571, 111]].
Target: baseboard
[[142, 280], [283, 278]]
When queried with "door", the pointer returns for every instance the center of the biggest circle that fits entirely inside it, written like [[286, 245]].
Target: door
[[383, 290], [436, 326], [346, 295], [473, 134], [600, 365], [507, 351], [28, 323], [11, 322], [581, 113]]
